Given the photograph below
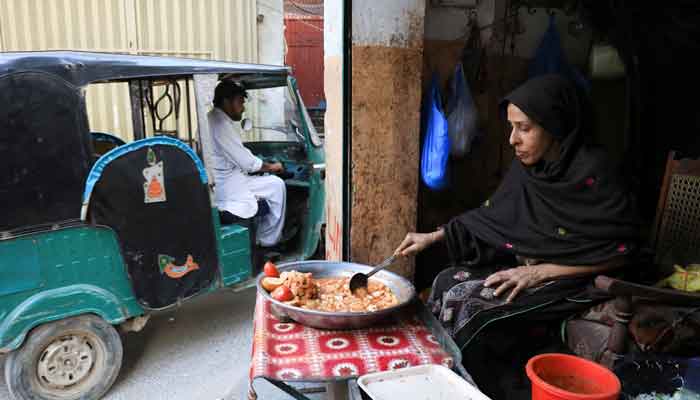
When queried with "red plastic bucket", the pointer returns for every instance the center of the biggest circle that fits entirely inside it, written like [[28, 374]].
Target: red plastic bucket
[[565, 377]]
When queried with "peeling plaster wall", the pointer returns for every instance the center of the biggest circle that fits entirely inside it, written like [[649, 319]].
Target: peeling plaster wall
[[397, 23], [385, 150], [387, 57]]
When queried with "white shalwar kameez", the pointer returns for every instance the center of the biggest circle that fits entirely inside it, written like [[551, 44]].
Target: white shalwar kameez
[[235, 190]]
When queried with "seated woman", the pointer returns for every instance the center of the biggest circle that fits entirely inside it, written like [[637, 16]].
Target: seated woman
[[560, 217]]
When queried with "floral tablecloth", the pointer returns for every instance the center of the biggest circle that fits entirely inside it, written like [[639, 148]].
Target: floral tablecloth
[[293, 352]]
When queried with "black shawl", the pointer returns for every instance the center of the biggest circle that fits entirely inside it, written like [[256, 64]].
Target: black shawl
[[574, 210]]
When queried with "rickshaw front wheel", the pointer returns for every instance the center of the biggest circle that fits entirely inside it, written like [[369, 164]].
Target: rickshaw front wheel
[[70, 359]]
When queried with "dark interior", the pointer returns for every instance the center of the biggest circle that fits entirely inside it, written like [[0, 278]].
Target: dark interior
[[638, 118]]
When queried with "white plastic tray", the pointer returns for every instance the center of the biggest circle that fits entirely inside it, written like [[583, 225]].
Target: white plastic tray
[[424, 382]]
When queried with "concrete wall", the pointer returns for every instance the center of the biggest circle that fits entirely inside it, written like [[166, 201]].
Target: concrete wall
[[387, 57], [270, 26], [333, 129]]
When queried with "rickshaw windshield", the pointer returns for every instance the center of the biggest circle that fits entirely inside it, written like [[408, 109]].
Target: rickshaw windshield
[[274, 114]]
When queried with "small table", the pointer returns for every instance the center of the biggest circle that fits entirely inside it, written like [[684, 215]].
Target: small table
[[289, 352]]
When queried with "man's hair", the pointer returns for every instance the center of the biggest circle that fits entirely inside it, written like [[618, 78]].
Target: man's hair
[[227, 90]]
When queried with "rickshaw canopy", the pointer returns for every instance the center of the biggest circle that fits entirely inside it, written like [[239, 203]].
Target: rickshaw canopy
[[81, 68]]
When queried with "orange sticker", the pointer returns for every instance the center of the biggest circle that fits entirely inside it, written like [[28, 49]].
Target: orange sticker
[[154, 187], [167, 266]]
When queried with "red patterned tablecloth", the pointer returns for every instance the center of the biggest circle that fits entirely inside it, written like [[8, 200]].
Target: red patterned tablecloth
[[293, 352]]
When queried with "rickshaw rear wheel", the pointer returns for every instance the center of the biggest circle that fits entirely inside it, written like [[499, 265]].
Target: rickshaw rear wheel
[[70, 359]]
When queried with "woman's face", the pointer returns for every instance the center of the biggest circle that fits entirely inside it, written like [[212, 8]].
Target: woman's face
[[530, 141]]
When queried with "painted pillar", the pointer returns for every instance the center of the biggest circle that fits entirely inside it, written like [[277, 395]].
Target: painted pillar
[[333, 128], [387, 59]]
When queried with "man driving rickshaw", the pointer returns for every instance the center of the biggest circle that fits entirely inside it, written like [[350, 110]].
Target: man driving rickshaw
[[237, 192]]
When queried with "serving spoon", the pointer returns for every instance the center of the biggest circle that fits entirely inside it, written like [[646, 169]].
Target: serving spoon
[[359, 280]]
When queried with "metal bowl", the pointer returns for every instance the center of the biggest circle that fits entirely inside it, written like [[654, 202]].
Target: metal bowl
[[400, 286]]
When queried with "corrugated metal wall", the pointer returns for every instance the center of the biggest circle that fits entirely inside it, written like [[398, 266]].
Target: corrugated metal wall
[[210, 29]]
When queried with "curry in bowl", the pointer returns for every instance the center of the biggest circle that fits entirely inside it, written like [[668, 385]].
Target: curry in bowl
[[302, 290]]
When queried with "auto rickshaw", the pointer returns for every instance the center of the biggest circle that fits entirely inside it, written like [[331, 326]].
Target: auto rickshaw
[[97, 232]]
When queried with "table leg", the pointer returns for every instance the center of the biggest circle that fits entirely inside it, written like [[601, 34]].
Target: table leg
[[251, 392], [354, 390], [337, 390], [296, 394]]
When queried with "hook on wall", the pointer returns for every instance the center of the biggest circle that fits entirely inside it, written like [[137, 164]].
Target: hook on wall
[[571, 8], [472, 17], [517, 4]]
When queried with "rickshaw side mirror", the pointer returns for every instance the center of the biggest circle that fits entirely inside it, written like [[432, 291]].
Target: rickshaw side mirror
[[246, 124]]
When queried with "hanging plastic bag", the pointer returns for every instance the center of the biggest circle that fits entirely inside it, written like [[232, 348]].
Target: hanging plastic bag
[[462, 118], [436, 144], [474, 60], [550, 58]]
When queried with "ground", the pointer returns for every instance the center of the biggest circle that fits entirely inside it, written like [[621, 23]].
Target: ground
[[200, 351]]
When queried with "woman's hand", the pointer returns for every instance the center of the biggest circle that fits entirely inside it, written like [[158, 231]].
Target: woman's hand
[[417, 242], [527, 276], [517, 279]]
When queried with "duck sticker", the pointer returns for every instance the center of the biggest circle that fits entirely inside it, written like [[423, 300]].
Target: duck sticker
[[154, 187], [167, 266]]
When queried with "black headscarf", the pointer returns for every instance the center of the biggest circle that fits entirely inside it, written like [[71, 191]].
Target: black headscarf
[[573, 210]]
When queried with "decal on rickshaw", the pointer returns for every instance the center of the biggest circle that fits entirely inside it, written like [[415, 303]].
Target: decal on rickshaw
[[154, 187], [168, 267]]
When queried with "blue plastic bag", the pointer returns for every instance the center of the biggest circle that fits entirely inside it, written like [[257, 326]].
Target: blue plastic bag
[[436, 145], [462, 118], [550, 58]]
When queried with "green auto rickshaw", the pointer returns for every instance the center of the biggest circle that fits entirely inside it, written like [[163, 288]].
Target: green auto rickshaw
[[99, 229]]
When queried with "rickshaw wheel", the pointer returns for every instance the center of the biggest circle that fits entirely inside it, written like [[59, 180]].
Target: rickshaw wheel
[[75, 358]]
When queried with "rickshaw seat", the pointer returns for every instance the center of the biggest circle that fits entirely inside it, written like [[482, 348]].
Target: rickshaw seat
[[171, 220], [242, 225], [263, 210]]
